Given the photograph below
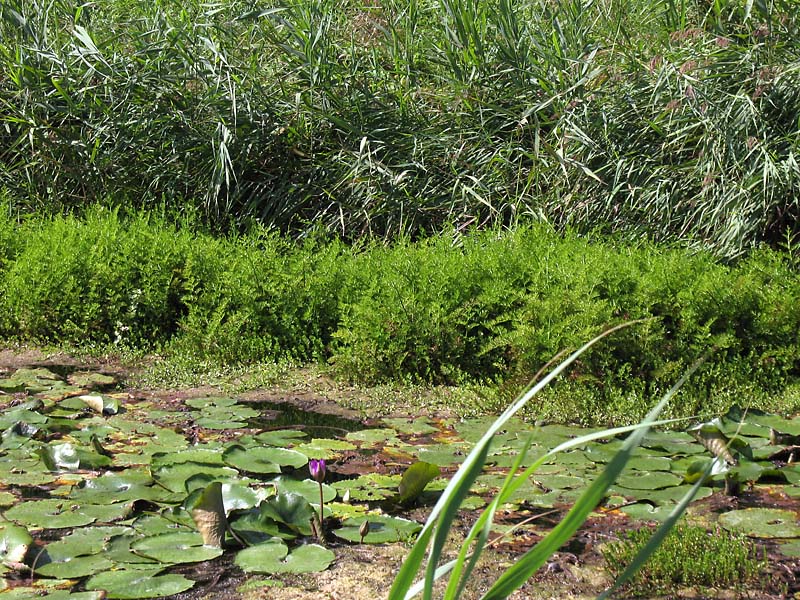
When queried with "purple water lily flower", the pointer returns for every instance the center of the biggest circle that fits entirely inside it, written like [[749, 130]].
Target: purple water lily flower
[[317, 469]]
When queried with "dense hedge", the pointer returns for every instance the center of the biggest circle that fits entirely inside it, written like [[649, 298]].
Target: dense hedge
[[485, 306]]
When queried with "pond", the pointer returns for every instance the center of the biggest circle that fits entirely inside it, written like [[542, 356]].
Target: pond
[[104, 491]]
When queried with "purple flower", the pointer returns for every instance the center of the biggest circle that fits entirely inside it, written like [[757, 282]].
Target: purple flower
[[317, 469]]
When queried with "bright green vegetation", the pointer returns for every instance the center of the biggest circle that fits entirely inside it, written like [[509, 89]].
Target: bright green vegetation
[[688, 556], [659, 118], [137, 485], [488, 308]]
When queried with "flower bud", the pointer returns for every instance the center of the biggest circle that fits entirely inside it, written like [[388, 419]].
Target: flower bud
[[317, 470]]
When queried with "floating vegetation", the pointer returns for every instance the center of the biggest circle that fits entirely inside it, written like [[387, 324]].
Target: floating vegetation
[[140, 491]]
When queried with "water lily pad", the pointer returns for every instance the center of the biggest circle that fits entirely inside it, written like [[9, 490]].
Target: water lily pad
[[26, 593], [118, 550], [57, 514], [290, 509], [210, 401], [791, 549], [14, 542], [418, 426], [84, 541], [274, 557], [280, 437], [414, 480], [71, 567], [307, 488], [444, 455], [370, 438], [643, 511], [195, 454], [668, 495], [383, 529], [91, 380], [642, 480], [176, 547], [263, 460], [175, 477], [370, 487], [324, 448], [70, 457], [762, 522], [134, 584], [110, 488], [7, 499]]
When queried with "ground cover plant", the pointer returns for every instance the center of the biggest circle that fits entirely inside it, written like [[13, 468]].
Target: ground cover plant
[[688, 556], [671, 120], [111, 491]]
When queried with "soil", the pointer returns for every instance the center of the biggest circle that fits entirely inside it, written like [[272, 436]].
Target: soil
[[366, 571]]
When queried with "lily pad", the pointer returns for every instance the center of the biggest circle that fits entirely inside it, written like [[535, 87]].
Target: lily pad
[[14, 542], [324, 448], [58, 514], [383, 529], [290, 509], [210, 401], [307, 488], [762, 522], [647, 512], [370, 438], [71, 567], [414, 480], [91, 380], [176, 547], [418, 426], [280, 437], [67, 456], [263, 460], [274, 557], [142, 583], [84, 541], [643, 480]]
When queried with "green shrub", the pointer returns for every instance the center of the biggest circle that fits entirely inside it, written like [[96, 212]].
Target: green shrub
[[96, 279], [260, 297]]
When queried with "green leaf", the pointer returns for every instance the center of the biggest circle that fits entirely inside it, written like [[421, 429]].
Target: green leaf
[[69, 457], [263, 460], [84, 541], [761, 522], [383, 529], [274, 557], [14, 542], [290, 509], [641, 480], [176, 547], [144, 583], [71, 567], [280, 437], [308, 488], [57, 514], [414, 480]]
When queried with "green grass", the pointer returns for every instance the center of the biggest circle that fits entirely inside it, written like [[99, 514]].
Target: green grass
[[688, 556], [675, 121], [485, 311]]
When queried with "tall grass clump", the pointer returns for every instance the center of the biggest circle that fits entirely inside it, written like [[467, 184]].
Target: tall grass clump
[[661, 119]]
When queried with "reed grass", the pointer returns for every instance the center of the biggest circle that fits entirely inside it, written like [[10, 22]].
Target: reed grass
[[656, 118]]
